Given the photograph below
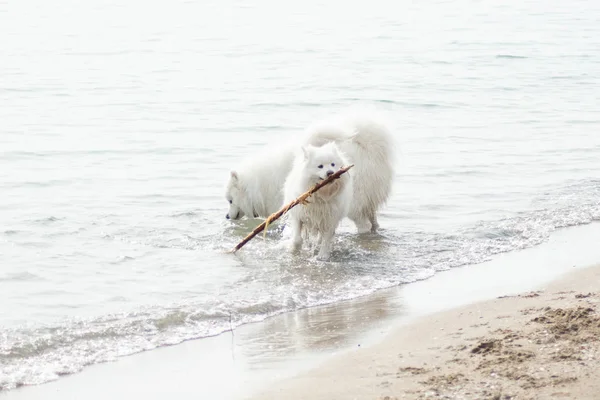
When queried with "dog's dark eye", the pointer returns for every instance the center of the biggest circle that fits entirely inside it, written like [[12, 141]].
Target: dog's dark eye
[[321, 166], [230, 201], [333, 164]]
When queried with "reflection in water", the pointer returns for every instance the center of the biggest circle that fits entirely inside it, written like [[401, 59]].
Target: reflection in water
[[326, 328]]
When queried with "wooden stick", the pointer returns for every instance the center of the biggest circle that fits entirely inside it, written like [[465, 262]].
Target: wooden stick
[[300, 200]]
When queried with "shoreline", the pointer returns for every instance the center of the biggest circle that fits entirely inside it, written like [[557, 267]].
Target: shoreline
[[538, 344], [270, 353]]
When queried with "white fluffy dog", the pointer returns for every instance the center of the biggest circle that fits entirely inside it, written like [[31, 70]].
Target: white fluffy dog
[[255, 189], [368, 145], [319, 218]]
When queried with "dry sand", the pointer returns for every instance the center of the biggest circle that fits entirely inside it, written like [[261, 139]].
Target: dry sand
[[537, 345]]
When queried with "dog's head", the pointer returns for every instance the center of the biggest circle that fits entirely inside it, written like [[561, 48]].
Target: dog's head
[[322, 162], [234, 194]]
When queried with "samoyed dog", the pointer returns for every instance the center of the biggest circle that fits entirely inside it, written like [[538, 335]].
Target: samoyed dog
[[255, 188], [318, 219]]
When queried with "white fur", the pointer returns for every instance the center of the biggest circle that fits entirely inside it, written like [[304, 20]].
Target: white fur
[[368, 145], [255, 189], [320, 217]]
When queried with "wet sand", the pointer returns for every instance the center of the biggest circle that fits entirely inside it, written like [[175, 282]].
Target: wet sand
[[543, 344]]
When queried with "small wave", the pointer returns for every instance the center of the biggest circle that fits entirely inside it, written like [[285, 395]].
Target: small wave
[[68, 348], [20, 276], [510, 56], [564, 77], [185, 214], [67, 232], [37, 244], [415, 105], [41, 184], [584, 122], [285, 105], [123, 259], [47, 220]]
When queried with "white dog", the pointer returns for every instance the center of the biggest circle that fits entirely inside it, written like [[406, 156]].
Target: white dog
[[255, 189], [319, 218], [368, 145]]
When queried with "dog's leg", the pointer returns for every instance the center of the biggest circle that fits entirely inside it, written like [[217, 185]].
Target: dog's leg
[[363, 225], [326, 242], [374, 223], [315, 242], [296, 242]]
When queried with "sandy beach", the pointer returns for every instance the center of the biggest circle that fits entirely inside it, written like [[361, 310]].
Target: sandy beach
[[542, 344]]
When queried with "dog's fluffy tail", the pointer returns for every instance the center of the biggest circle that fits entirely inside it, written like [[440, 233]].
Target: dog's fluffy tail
[[368, 129], [371, 133]]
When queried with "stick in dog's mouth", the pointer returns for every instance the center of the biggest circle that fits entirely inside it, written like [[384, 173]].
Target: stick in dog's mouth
[[299, 200]]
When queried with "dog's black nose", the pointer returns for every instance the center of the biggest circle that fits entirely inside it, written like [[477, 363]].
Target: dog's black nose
[[227, 216], [329, 173]]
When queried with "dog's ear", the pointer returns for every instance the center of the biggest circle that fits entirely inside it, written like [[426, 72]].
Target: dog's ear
[[306, 151], [234, 176]]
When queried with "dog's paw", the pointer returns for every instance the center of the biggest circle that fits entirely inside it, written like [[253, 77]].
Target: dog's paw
[[323, 255], [363, 226], [294, 246]]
